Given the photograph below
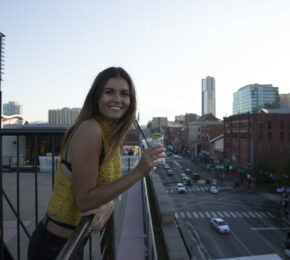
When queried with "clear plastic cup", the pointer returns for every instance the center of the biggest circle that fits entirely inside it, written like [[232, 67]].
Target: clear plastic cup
[[157, 138]]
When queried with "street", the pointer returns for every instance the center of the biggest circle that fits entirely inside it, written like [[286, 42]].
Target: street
[[256, 227]]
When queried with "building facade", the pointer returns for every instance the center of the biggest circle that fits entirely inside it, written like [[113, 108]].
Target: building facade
[[285, 101], [158, 124], [252, 98], [207, 133], [12, 108], [64, 116], [259, 137], [208, 95], [194, 131]]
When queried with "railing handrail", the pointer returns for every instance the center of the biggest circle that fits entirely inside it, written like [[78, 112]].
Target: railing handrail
[[33, 131], [73, 243], [149, 217]]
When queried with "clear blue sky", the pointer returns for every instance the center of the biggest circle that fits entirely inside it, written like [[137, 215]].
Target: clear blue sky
[[54, 50]]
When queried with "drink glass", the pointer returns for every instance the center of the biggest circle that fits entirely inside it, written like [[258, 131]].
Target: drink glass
[[157, 138]]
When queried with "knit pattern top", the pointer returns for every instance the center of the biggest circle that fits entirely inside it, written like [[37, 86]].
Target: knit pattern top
[[62, 201]]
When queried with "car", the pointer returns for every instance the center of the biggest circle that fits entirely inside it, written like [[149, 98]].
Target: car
[[169, 172], [213, 189], [187, 170], [220, 225], [282, 189], [207, 181], [180, 188], [195, 176], [183, 175], [166, 166], [187, 181]]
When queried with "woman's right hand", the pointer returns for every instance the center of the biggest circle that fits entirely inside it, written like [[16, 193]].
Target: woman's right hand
[[149, 158]]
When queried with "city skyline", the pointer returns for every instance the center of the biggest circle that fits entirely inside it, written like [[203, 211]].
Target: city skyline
[[54, 50]]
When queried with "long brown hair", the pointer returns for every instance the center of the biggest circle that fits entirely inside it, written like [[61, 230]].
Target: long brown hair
[[90, 110]]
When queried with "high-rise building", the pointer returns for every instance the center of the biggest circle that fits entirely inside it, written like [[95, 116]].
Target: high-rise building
[[252, 98], [285, 101], [64, 116], [159, 123], [12, 108], [208, 95]]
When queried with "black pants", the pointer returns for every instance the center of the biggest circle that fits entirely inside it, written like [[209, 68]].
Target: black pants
[[46, 246]]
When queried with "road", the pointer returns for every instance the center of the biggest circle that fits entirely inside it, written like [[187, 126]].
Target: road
[[253, 217]]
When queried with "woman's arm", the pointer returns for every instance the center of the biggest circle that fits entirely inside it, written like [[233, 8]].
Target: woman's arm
[[85, 150]]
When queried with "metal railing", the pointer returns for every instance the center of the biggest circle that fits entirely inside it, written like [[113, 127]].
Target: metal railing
[[104, 248]]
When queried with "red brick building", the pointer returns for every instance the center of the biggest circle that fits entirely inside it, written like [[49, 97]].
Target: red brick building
[[208, 132], [252, 138]]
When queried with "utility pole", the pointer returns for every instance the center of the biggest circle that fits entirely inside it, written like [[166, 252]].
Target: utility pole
[[2, 38]]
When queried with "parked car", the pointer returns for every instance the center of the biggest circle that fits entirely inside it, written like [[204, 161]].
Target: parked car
[[169, 172], [220, 225], [213, 189], [180, 188], [195, 176], [187, 171]]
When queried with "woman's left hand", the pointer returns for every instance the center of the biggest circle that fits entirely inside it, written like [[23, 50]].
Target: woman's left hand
[[102, 214]]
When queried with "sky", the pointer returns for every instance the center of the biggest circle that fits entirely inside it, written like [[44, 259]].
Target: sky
[[54, 50]]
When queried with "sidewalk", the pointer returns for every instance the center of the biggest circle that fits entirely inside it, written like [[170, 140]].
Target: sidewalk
[[132, 235]]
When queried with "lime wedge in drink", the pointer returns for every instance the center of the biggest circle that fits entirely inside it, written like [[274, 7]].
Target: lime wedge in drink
[[156, 136]]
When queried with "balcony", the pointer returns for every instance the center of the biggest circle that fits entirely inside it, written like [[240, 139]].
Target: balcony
[[27, 178], [28, 162]]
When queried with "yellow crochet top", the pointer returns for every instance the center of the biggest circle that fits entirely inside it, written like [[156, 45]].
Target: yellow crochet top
[[62, 201]]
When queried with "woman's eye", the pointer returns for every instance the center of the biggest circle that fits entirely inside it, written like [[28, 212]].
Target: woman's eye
[[125, 94]]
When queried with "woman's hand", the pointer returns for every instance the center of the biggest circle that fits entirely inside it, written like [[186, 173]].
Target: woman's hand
[[102, 214], [150, 158]]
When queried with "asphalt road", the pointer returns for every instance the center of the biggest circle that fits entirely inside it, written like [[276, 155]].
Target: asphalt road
[[253, 217]]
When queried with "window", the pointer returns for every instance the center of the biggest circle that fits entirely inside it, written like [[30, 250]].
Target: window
[[269, 148], [269, 124], [282, 125], [260, 125], [261, 136], [282, 148], [269, 136], [281, 135]]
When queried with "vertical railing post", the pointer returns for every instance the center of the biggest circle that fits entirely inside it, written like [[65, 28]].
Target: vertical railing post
[[18, 197], [108, 240], [1, 204], [35, 180]]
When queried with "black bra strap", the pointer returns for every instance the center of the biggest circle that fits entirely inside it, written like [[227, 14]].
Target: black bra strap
[[68, 142]]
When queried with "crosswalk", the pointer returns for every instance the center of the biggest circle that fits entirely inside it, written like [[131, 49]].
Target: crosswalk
[[223, 214], [201, 188]]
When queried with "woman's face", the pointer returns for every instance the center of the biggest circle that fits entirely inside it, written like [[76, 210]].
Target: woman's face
[[114, 100]]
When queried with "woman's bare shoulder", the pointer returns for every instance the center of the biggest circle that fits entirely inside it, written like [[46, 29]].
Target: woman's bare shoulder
[[89, 129]]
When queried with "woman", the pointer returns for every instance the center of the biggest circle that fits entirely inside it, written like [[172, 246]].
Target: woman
[[89, 173]]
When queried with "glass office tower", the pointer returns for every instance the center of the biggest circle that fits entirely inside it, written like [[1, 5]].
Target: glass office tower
[[253, 97]]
